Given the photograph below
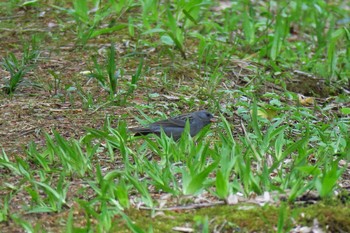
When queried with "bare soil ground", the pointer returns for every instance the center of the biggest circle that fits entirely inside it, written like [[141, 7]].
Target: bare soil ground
[[40, 104]]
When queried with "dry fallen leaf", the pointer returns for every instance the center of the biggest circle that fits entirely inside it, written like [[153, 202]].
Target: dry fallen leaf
[[306, 101], [267, 113]]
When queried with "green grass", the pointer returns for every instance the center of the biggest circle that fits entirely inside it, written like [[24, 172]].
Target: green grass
[[111, 62], [19, 67]]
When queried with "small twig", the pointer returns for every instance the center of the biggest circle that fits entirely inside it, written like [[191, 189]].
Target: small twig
[[303, 73], [10, 17], [23, 30], [188, 207], [28, 131], [220, 227], [183, 229]]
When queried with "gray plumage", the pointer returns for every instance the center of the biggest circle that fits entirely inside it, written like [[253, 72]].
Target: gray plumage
[[175, 126]]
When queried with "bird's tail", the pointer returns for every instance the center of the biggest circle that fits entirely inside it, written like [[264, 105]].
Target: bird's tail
[[140, 131]]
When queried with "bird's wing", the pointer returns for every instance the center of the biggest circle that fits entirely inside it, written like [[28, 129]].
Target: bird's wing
[[172, 122], [175, 122]]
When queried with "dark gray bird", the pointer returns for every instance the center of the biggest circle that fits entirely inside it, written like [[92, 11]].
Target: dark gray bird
[[175, 126]]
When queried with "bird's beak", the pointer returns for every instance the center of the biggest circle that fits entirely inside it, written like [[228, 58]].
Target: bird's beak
[[214, 119]]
